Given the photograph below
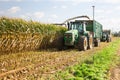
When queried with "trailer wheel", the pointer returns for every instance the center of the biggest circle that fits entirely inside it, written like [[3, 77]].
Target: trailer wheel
[[90, 42], [108, 38], [82, 43], [97, 43]]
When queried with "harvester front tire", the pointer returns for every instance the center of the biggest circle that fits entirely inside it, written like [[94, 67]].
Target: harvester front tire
[[82, 43]]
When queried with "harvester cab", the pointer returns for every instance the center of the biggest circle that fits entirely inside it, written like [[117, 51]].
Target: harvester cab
[[80, 26]]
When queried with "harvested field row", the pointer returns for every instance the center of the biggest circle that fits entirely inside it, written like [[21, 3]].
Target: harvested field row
[[38, 65]]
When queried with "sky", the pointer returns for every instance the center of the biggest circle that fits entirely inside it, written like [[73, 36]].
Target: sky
[[107, 12]]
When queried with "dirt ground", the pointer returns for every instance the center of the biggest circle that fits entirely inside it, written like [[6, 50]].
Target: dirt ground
[[41, 64], [115, 71]]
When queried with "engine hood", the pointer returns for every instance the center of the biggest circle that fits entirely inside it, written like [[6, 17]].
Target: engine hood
[[72, 31], [70, 37]]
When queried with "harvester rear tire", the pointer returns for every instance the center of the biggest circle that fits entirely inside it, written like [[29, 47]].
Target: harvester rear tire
[[82, 44], [90, 42]]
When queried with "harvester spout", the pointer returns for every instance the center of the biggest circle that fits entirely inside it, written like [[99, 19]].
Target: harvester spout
[[84, 16]]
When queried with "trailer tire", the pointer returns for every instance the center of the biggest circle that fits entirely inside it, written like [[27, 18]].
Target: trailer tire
[[90, 42], [82, 44], [108, 39], [97, 43]]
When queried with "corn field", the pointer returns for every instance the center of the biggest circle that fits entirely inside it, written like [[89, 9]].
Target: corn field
[[18, 35]]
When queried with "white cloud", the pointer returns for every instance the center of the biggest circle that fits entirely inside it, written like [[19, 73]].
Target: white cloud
[[74, 0], [54, 16], [18, 0], [99, 11], [111, 1], [38, 14], [11, 12], [109, 22], [4, 0], [63, 6], [117, 8], [1, 12], [55, 7], [34, 16], [11, 0], [37, 0], [26, 15], [14, 9], [103, 12]]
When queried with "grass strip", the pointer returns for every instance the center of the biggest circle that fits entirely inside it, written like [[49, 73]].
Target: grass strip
[[95, 68]]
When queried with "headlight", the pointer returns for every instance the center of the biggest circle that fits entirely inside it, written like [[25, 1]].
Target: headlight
[[68, 36]]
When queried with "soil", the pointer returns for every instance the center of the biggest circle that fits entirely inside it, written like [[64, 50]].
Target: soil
[[115, 71], [42, 64]]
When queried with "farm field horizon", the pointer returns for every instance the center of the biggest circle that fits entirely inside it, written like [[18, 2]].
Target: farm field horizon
[[59, 40]]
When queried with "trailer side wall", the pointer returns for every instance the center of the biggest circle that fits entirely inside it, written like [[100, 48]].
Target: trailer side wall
[[95, 28]]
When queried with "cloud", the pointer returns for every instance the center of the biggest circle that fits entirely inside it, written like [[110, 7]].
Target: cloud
[[26, 15], [55, 7], [105, 1], [117, 8], [1, 12], [10, 0], [36, 0], [11, 12], [111, 1], [14, 9], [99, 11], [109, 22], [63, 7], [38, 14], [34, 16], [54, 16], [73, 0], [103, 11]]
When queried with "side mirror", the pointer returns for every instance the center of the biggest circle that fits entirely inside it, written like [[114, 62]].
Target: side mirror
[[68, 25]]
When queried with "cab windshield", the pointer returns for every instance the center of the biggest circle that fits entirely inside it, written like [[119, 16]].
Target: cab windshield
[[76, 26]]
